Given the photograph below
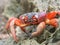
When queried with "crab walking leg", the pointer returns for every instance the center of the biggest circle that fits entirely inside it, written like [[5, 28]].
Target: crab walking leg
[[39, 29], [20, 24], [13, 31], [8, 23], [16, 22]]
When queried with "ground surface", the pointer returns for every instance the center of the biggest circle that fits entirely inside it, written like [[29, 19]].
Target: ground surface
[[40, 5]]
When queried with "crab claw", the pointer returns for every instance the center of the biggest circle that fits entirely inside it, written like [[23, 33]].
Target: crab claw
[[51, 15], [54, 22]]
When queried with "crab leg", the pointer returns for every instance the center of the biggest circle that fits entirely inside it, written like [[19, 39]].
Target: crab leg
[[8, 23], [39, 29], [21, 25], [13, 31]]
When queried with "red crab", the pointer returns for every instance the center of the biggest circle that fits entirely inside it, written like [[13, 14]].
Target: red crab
[[33, 18]]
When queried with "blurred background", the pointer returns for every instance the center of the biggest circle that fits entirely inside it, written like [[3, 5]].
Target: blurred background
[[13, 8]]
